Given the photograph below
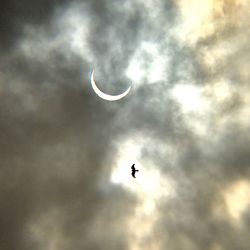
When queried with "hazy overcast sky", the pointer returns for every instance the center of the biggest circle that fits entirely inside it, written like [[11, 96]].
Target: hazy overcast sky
[[65, 154]]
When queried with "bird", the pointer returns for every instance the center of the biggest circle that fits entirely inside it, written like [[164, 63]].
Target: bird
[[134, 170]]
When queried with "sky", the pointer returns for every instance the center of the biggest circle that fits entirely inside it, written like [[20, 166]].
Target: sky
[[65, 153]]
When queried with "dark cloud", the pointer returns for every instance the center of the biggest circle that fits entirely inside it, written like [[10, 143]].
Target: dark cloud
[[15, 14]]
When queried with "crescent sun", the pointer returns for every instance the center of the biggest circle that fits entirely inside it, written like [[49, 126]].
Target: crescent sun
[[106, 96]]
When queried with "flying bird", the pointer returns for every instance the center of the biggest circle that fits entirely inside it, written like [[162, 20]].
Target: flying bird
[[134, 170]]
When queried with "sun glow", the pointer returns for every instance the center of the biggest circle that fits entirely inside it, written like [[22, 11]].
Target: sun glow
[[237, 199], [149, 187], [190, 98], [148, 180], [148, 63]]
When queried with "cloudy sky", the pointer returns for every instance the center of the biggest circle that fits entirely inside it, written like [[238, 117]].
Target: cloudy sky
[[65, 154]]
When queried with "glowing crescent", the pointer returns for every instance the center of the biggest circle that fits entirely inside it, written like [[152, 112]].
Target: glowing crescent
[[106, 96]]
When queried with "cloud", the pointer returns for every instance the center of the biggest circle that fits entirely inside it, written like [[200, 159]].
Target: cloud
[[65, 154]]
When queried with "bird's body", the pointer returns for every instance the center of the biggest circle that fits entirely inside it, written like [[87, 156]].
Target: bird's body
[[134, 170]]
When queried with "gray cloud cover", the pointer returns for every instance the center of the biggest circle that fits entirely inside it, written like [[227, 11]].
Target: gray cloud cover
[[65, 154]]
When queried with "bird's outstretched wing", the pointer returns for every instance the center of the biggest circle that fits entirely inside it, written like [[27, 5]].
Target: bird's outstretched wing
[[133, 170], [133, 167]]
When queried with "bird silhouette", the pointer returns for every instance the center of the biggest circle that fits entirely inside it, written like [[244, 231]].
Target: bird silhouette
[[134, 170]]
